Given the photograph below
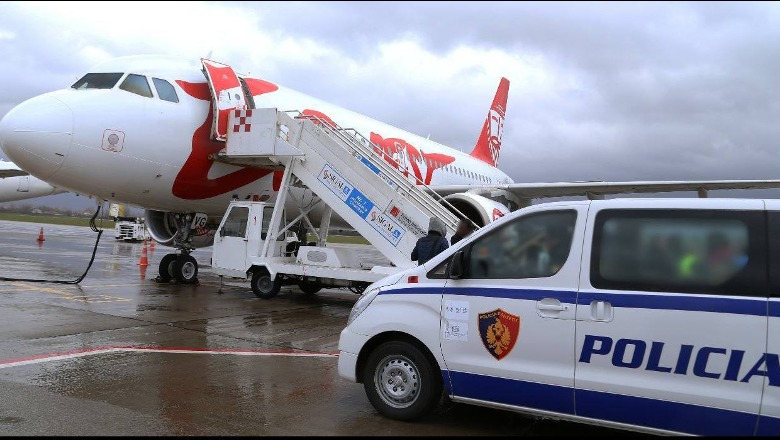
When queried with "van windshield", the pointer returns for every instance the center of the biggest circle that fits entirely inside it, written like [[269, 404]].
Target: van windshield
[[97, 81]]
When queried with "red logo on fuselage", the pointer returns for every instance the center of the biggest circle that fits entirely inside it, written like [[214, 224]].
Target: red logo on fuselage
[[398, 152], [192, 182]]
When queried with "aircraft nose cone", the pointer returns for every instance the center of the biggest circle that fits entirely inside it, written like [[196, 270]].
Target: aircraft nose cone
[[37, 134]]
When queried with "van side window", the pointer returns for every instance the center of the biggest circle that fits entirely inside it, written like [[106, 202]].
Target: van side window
[[532, 246], [774, 251], [685, 251]]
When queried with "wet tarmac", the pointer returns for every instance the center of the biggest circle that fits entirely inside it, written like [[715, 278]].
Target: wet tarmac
[[119, 354]]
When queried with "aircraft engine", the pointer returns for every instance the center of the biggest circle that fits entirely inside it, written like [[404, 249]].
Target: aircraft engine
[[478, 209], [162, 228]]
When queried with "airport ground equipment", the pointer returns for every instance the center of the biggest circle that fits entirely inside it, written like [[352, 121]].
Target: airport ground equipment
[[130, 229], [347, 173], [126, 228]]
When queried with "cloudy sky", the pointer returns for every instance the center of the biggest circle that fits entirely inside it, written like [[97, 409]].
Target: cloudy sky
[[599, 91]]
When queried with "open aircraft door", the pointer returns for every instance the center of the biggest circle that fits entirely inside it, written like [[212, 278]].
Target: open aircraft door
[[226, 94]]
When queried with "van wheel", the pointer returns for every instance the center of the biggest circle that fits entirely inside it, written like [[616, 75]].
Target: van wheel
[[400, 382], [262, 285], [309, 287]]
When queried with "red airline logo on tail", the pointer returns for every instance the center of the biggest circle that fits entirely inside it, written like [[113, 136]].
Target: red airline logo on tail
[[488, 145]]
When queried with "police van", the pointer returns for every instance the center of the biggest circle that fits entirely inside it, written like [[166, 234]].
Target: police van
[[654, 315]]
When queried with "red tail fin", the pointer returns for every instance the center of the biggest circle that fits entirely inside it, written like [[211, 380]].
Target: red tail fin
[[489, 143]]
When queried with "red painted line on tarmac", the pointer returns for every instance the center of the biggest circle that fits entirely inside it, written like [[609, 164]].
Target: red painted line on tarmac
[[50, 355], [152, 348], [225, 350]]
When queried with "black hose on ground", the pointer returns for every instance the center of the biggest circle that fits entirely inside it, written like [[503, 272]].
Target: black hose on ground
[[94, 228]]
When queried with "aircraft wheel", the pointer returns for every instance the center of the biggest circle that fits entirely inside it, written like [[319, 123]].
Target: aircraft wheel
[[166, 267], [185, 269]]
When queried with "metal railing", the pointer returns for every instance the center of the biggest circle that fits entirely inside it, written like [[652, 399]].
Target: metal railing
[[413, 188]]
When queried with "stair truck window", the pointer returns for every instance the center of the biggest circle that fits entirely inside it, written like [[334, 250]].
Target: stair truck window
[[165, 90], [136, 84], [235, 223], [267, 213], [97, 81]]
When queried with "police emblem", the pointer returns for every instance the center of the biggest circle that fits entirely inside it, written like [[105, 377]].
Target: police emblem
[[499, 331]]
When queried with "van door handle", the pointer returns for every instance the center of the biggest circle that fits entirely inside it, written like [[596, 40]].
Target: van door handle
[[601, 311], [552, 307]]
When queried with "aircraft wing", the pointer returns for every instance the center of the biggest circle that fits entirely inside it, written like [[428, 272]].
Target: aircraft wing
[[597, 188], [9, 169]]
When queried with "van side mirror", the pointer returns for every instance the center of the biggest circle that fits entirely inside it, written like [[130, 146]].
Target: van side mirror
[[456, 266]]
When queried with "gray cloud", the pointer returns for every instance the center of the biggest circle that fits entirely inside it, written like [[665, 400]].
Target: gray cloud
[[639, 91]]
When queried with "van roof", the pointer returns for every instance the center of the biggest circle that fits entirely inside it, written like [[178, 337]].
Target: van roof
[[670, 203]]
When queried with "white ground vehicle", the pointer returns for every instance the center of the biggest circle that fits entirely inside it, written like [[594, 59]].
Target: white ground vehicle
[[243, 246], [653, 315], [127, 228], [130, 229]]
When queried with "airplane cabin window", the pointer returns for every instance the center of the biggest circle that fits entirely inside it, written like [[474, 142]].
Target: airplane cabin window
[[165, 90], [136, 84], [97, 81]]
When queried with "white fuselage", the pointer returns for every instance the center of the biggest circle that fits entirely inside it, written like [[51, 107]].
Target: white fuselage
[[159, 156]]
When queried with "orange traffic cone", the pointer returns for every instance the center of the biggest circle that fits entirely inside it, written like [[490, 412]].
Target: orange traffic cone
[[151, 245], [144, 261], [40, 235], [143, 273]]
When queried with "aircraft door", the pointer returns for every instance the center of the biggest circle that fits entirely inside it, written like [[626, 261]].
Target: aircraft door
[[226, 95]]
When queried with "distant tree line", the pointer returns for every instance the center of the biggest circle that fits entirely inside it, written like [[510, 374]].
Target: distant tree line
[[26, 208]]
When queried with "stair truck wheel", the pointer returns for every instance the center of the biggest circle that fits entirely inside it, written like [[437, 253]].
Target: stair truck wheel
[[262, 285], [310, 287]]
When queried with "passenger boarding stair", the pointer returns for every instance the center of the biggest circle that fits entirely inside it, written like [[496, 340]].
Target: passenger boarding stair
[[344, 169]]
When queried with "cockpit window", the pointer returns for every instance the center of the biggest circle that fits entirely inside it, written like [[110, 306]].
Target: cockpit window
[[97, 81], [136, 84], [165, 90]]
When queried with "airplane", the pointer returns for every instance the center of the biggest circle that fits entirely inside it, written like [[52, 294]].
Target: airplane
[[17, 184], [145, 130]]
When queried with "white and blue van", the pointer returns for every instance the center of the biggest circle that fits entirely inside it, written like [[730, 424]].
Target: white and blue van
[[653, 315]]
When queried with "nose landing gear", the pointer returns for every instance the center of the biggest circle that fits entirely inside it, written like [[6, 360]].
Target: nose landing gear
[[180, 267]]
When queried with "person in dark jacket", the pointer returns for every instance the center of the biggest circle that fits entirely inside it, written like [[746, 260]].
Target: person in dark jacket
[[432, 244], [465, 229]]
